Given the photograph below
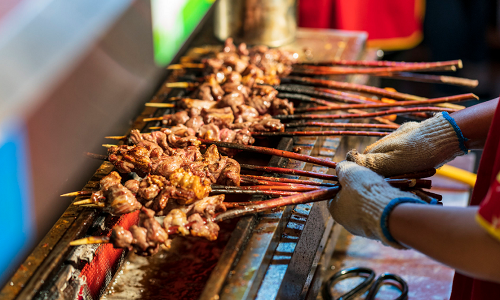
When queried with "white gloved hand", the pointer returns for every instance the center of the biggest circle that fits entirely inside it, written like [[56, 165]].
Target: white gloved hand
[[365, 201], [414, 147]]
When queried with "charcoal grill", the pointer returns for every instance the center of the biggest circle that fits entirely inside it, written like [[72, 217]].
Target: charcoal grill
[[272, 255]]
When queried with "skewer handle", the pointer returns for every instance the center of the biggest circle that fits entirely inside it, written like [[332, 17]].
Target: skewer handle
[[270, 151], [90, 240]]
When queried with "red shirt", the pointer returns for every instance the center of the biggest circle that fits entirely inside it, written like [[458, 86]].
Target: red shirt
[[486, 194], [391, 25]]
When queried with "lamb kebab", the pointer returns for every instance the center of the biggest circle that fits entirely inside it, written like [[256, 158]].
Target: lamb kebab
[[198, 219], [279, 63]]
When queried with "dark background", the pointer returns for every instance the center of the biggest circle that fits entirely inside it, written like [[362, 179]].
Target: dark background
[[457, 29]]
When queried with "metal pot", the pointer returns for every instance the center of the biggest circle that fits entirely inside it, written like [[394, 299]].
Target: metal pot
[[268, 22]]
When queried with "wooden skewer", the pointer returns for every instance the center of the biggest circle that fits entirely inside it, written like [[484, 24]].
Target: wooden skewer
[[377, 63], [317, 195], [320, 133], [284, 187], [418, 174], [159, 105], [305, 98], [96, 156], [313, 196], [446, 65], [251, 192], [433, 195], [266, 180], [167, 105], [270, 151], [456, 98], [253, 207], [324, 70], [384, 120], [289, 172], [116, 137], [182, 85], [365, 115], [275, 185], [299, 90], [90, 240], [332, 84], [342, 125], [185, 66], [472, 83], [82, 202], [152, 119], [109, 145], [79, 193]]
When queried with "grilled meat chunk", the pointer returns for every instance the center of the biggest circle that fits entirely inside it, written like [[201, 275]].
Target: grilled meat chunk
[[130, 159], [202, 228], [120, 200]]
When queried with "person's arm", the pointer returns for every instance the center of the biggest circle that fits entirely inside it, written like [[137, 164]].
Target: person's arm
[[429, 144], [475, 122], [449, 235]]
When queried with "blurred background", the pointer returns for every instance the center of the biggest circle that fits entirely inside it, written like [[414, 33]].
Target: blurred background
[[72, 72]]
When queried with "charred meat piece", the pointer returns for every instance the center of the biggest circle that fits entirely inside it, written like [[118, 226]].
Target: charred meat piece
[[151, 186], [266, 123], [120, 200], [261, 104], [132, 185], [246, 114], [208, 206], [281, 107], [233, 77], [181, 131], [155, 232], [188, 103], [155, 142], [182, 142], [185, 180], [111, 179], [243, 136], [227, 135], [130, 159], [230, 174], [201, 228], [230, 87], [107, 181], [218, 116], [121, 238], [209, 132], [179, 118], [117, 199], [195, 123], [209, 90], [166, 165], [176, 217], [232, 100], [265, 91], [145, 238]]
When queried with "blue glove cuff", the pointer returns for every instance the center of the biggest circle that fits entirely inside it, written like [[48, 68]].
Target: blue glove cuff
[[388, 209], [461, 138]]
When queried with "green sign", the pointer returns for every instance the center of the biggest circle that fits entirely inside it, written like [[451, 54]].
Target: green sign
[[173, 22]]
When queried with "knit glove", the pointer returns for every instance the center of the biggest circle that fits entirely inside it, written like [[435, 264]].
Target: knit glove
[[365, 201], [414, 147]]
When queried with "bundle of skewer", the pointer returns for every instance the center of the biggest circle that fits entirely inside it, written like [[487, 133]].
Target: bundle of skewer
[[184, 198], [235, 78], [227, 109]]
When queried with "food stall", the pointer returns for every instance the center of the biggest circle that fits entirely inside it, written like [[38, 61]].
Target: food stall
[[96, 85]]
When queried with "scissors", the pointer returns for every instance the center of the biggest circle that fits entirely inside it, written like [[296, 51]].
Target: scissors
[[369, 283]]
